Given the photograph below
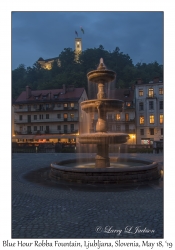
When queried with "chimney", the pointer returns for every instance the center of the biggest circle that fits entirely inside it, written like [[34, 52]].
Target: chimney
[[139, 81], [64, 89], [156, 79], [28, 92]]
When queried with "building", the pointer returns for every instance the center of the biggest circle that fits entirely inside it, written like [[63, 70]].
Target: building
[[123, 121], [49, 115], [47, 63], [149, 111]]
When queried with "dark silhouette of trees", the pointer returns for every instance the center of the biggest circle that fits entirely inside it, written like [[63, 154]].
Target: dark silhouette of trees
[[72, 72]]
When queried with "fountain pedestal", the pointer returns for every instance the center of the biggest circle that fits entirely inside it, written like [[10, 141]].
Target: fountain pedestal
[[102, 158]]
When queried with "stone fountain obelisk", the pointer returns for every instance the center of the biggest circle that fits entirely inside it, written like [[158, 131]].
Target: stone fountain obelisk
[[102, 105]]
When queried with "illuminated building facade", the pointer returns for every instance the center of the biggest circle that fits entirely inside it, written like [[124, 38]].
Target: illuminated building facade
[[48, 115], [149, 111]]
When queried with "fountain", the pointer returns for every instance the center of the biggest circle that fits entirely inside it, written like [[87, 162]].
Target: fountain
[[105, 169]]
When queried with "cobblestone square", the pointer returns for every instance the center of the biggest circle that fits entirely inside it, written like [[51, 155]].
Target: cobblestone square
[[77, 211]]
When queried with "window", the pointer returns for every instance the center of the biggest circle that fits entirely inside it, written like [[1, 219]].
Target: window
[[65, 116], [72, 116], [65, 128], [141, 106], [35, 117], [127, 128], [72, 105], [117, 117], [65, 105], [35, 128], [128, 104], [118, 128], [55, 96], [28, 129], [59, 105], [20, 117], [41, 117], [35, 106], [141, 119], [47, 106], [47, 129], [151, 119], [140, 92], [160, 91], [160, 104], [151, 130], [72, 127], [161, 118], [161, 131], [20, 106], [126, 117], [47, 116], [151, 105], [29, 108], [59, 127], [41, 128], [141, 131], [151, 92], [59, 116]]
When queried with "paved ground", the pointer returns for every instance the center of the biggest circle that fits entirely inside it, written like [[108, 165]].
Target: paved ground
[[40, 210]]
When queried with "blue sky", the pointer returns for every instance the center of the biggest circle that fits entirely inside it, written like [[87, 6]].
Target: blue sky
[[45, 34]]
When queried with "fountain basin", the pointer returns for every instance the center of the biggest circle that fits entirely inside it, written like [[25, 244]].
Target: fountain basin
[[102, 75], [103, 138], [108, 105], [140, 171]]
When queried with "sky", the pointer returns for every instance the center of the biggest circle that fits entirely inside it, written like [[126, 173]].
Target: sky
[[45, 34]]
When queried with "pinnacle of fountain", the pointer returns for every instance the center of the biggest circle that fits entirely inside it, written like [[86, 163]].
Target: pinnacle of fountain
[[101, 65]]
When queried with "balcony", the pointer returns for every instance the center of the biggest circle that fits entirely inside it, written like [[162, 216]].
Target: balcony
[[47, 132], [17, 121], [151, 96]]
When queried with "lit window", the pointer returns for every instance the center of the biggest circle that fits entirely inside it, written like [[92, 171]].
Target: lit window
[[72, 105], [161, 118], [117, 117], [65, 116], [151, 92], [151, 119], [126, 117], [128, 104], [160, 91], [140, 92], [65, 105], [141, 119], [72, 116]]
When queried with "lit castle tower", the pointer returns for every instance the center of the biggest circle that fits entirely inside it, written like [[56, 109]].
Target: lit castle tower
[[78, 45], [78, 48]]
